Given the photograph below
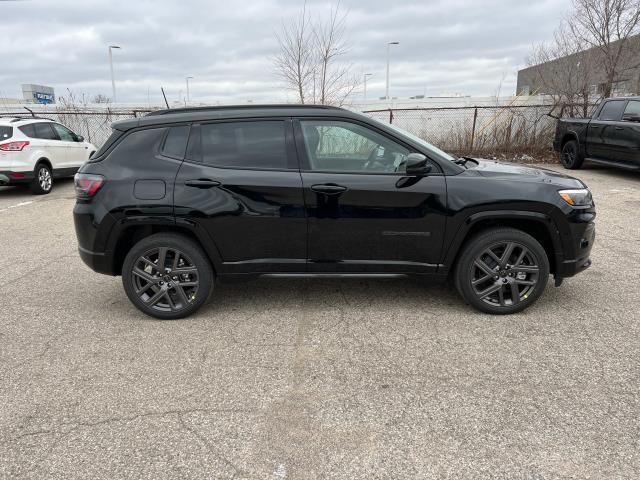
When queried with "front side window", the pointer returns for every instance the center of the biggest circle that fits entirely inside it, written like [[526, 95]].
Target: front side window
[[44, 131], [64, 133], [339, 146], [612, 110], [251, 144], [632, 111]]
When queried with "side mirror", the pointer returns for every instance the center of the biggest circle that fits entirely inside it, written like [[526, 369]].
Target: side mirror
[[79, 138], [417, 164], [632, 117]]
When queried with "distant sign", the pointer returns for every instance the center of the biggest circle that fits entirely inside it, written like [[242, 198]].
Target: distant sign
[[41, 97]]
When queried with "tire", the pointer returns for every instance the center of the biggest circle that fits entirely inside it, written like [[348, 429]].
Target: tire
[[525, 270], [167, 296], [570, 155], [42, 182]]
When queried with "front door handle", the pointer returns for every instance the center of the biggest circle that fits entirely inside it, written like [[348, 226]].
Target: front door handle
[[202, 183], [329, 188], [594, 126]]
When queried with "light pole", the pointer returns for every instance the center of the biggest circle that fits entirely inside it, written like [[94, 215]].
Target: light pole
[[365, 83], [113, 81], [187, 79], [389, 45]]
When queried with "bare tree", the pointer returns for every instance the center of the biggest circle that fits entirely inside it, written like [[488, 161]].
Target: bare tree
[[294, 62], [607, 25], [310, 60], [566, 71]]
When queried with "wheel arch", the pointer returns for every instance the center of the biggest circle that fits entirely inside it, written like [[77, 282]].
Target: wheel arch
[[126, 236], [45, 160], [538, 225]]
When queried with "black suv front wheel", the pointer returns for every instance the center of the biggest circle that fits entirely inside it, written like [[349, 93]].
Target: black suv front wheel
[[501, 271], [167, 276]]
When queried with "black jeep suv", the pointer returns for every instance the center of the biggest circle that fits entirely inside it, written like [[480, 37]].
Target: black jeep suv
[[180, 198]]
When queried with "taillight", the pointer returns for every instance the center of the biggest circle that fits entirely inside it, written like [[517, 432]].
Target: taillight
[[13, 146], [87, 185]]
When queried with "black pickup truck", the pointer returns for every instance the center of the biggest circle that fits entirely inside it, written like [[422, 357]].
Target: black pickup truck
[[610, 137]]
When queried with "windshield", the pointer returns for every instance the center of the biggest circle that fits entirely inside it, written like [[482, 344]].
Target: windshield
[[426, 145]]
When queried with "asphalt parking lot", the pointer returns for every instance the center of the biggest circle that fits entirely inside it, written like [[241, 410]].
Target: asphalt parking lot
[[289, 378]]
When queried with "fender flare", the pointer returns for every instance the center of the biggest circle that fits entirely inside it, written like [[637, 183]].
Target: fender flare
[[450, 254]]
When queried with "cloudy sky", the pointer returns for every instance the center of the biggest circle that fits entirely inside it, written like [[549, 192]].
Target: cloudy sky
[[446, 46]]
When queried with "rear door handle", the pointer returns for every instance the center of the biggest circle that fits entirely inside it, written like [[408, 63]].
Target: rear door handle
[[619, 128], [328, 188], [202, 183]]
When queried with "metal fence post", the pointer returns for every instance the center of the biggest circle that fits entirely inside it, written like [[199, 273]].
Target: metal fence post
[[390, 116], [473, 128]]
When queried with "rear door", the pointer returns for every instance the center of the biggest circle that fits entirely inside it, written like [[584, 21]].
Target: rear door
[[76, 153], [603, 140], [630, 133], [50, 145], [365, 215], [241, 183]]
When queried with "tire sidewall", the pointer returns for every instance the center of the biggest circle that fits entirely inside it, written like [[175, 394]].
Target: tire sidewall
[[577, 161], [193, 251], [480, 243], [36, 188]]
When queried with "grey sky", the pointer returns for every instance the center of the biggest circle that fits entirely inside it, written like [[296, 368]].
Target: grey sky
[[463, 46]]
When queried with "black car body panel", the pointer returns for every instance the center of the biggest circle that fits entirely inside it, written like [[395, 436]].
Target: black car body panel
[[611, 136], [293, 219]]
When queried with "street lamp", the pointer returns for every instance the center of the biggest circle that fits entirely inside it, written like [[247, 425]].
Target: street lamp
[[113, 81], [187, 79], [365, 83], [388, 45]]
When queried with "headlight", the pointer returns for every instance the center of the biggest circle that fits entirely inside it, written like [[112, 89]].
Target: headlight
[[577, 198]]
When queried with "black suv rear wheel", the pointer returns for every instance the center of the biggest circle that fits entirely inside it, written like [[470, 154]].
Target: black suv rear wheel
[[502, 271], [167, 276]]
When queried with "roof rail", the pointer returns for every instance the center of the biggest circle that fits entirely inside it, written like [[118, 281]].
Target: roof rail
[[171, 111], [19, 119]]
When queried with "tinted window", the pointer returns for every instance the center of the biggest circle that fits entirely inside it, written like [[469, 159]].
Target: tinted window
[[632, 110], [115, 134], [44, 131], [244, 144], [6, 132], [338, 146], [28, 130], [176, 142], [612, 110], [64, 133], [137, 146]]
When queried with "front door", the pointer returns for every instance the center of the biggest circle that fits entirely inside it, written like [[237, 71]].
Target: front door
[[240, 181], [76, 153], [365, 215]]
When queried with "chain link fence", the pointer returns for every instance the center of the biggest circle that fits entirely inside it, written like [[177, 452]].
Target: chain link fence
[[487, 130], [94, 126]]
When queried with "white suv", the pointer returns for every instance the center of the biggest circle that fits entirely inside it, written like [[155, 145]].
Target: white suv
[[35, 151]]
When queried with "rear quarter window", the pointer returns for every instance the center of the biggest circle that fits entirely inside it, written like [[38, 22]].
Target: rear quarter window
[[138, 146], [5, 132], [28, 130]]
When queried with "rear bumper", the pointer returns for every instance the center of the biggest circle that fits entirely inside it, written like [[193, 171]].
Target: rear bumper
[[97, 261], [10, 177]]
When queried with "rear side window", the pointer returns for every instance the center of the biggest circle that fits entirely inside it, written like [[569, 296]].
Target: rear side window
[[115, 135], [175, 143], [5, 132], [612, 110], [28, 130], [253, 144], [44, 131], [138, 146]]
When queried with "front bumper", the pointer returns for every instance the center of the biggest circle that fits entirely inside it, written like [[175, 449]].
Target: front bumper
[[584, 236]]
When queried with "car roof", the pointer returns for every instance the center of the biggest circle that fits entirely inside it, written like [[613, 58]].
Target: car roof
[[19, 121], [200, 114]]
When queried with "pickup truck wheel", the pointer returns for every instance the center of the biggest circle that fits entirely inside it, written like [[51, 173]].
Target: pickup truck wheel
[[167, 276], [570, 155], [502, 271]]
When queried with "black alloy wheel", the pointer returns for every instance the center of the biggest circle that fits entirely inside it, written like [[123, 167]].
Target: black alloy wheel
[[502, 270], [167, 276], [570, 155]]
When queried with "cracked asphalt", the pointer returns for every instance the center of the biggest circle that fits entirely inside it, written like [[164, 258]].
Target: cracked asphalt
[[316, 378]]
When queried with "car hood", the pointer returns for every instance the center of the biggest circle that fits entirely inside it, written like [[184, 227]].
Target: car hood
[[516, 172]]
